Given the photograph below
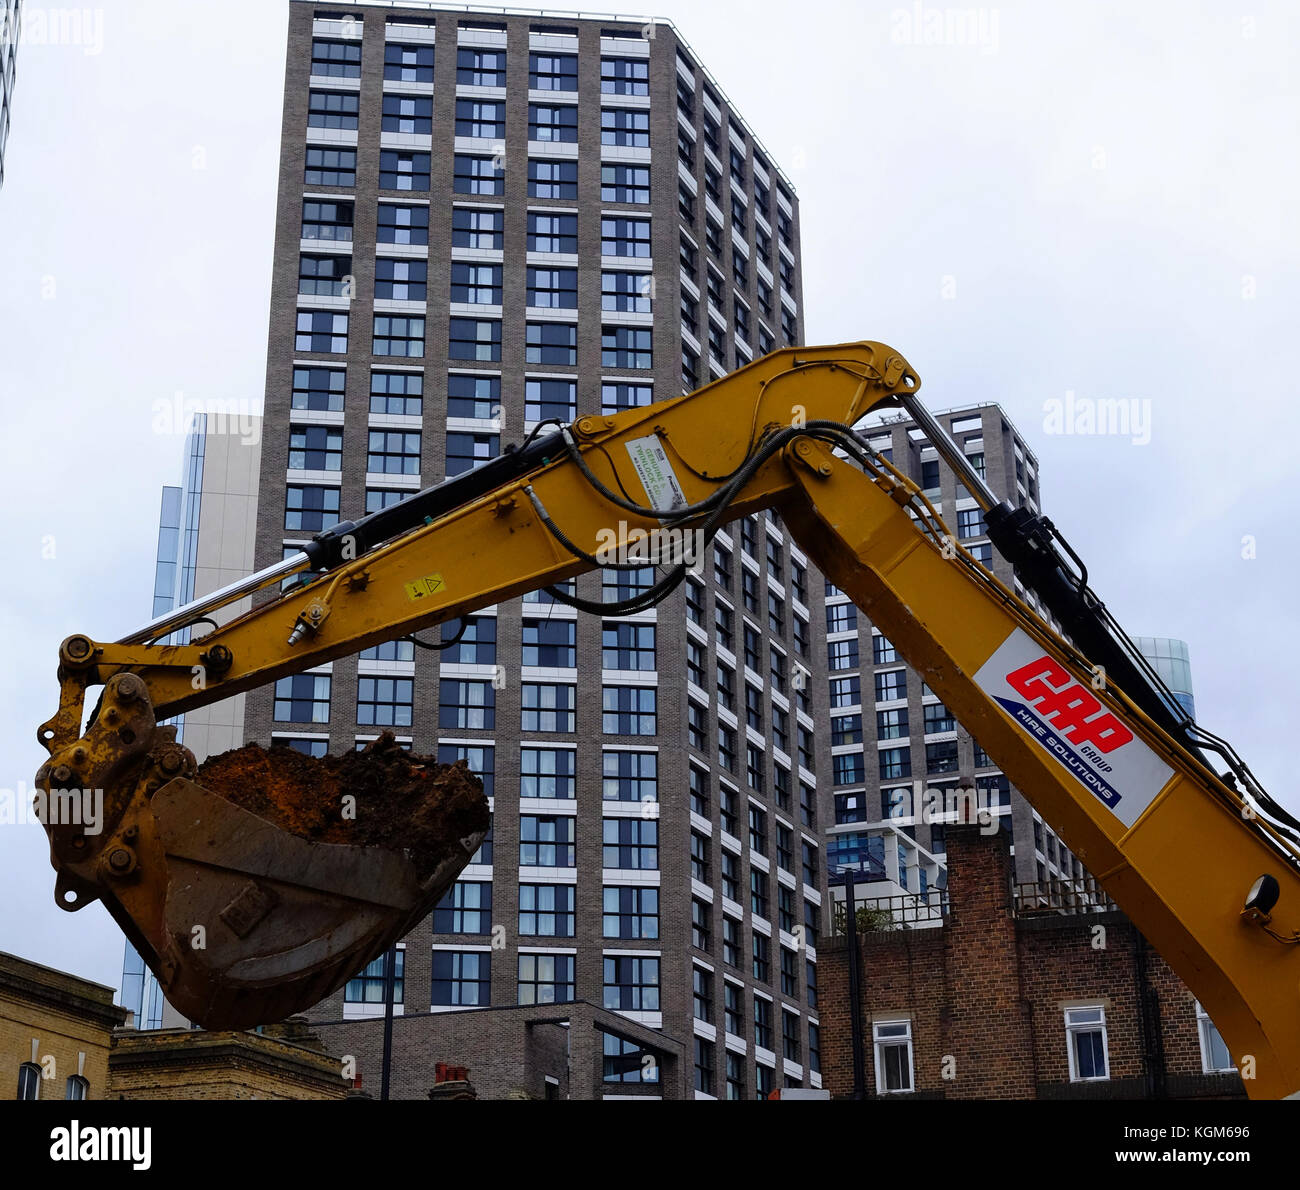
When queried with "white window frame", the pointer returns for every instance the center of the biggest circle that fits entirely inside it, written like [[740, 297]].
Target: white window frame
[[1203, 1025], [1075, 1027], [879, 1044]]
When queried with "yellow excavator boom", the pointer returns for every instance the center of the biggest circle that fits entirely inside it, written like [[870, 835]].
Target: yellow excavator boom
[[1066, 713]]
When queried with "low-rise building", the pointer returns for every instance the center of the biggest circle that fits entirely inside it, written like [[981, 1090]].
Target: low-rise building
[[1025, 991]]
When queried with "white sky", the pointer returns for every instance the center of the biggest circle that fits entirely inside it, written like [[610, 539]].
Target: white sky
[[1099, 198]]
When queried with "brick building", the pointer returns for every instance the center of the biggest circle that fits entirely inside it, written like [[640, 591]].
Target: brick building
[[55, 1033], [539, 1051], [1014, 997], [488, 219]]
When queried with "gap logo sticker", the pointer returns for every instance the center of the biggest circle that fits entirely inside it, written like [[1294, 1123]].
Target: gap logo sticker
[[1068, 720]]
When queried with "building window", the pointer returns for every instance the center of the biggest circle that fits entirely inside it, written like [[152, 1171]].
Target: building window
[[477, 644], [475, 284], [702, 992], [553, 289], [315, 448], [332, 109], [891, 686], [630, 912], [310, 509], [318, 388], [700, 931], [546, 910], [731, 941], [629, 710], [762, 948], [553, 72], [473, 396], [941, 757], [1085, 1034], [466, 908], [624, 76], [631, 844], [402, 225], [547, 841], [624, 183], [970, 523], [616, 397], [462, 979], [474, 339], [625, 347], [336, 59], [327, 276], [552, 233], [733, 1009], [400, 336], [553, 122], [401, 171], [893, 1045], [630, 777], [552, 179], [408, 63], [1215, 1058], [321, 330], [626, 292], [29, 1081], [477, 229], [550, 643], [409, 114], [368, 986], [700, 868], [546, 772], [546, 978], [327, 221], [758, 899], [631, 983], [546, 399], [624, 237], [479, 118], [331, 167], [466, 704], [482, 763], [547, 708], [397, 393], [479, 175], [628, 646], [384, 702], [480, 68], [553, 343], [626, 1061], [76, 1087], [625, 126]]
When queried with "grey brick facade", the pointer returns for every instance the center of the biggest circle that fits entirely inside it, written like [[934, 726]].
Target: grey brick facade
[[681, 101]]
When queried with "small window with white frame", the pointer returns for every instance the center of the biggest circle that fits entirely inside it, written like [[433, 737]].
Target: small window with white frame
[[893, 1046], [1215, 1058], [1085, 1031]]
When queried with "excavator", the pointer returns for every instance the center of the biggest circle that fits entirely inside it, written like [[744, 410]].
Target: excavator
[[1203, 861]]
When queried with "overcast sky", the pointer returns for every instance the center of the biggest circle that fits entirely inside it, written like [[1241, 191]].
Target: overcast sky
[[1089, 198]]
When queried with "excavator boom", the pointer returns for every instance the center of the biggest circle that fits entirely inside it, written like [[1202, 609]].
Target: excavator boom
[[1072, 720]]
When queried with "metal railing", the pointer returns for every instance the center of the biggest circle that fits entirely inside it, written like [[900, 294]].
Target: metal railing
[[882, 914], [1062, 897]]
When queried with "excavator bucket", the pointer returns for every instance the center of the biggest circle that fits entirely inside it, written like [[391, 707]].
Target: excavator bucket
[[258, 884]]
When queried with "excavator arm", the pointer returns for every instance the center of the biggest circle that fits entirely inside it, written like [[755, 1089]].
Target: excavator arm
[[1091, 742]]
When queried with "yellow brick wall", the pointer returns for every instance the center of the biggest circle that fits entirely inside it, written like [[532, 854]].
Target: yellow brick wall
[[60, 1038]]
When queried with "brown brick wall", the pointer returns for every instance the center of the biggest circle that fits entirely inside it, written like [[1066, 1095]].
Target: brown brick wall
[[986, 995]]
